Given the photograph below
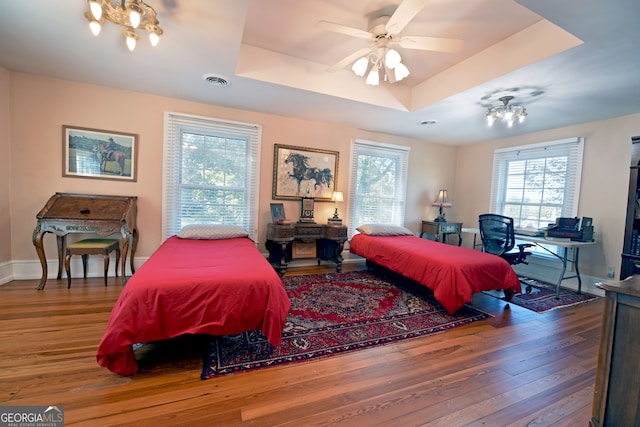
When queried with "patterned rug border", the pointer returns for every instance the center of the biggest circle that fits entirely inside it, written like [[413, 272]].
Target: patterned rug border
[[529, 302], [264, 355]]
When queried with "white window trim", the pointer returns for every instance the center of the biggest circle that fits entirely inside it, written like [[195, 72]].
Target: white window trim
[[173, 122], [572, 193], [402, 152]]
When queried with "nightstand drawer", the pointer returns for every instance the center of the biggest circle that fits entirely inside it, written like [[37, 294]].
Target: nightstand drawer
[[450, 228], [438, 230]]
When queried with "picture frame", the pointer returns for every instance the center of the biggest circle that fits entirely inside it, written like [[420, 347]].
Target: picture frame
[[277, 213], [304, 172], [99, 154]]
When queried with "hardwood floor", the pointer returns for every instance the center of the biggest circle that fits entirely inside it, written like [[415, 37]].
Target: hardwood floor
[[518, 368]]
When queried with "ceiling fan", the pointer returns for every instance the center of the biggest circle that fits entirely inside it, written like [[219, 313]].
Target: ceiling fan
[[383, 34]]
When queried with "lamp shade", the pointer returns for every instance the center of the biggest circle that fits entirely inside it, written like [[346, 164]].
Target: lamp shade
[[338, 196], [442, 200], [360, 66]]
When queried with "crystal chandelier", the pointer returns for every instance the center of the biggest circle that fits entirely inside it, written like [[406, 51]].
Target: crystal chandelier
[[129, 14], [508, 113], [381, 60]]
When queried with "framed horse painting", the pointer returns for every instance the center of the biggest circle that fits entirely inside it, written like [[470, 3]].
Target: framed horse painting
[[304, 172], [101, 154]]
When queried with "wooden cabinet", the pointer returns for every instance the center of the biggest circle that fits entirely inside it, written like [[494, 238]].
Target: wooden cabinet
[[438, 230], [303, 240], [631, 247], [616, 399]]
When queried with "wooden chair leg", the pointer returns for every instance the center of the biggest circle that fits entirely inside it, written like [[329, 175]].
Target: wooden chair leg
[[106, 266], [84, 265], [117, 260]]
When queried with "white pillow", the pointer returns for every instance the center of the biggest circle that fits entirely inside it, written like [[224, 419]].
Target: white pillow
[[384, 230], [212, 231]]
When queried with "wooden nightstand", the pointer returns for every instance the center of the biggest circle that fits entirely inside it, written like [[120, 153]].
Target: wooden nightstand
[[438, 230]]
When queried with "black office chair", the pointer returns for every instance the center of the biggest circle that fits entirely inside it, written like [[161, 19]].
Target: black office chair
[[498, 237]]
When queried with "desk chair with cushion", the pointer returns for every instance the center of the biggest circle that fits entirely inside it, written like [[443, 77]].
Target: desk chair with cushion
[[88, 247], [498, 237]]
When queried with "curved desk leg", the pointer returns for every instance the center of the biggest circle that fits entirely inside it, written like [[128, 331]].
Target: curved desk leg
[[134, 245], [37, 242]]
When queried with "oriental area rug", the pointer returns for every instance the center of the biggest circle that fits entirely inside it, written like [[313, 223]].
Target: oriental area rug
[[542, 297], [337, 313]]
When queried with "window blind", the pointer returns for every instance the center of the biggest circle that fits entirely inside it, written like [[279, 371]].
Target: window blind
[[377, 183], [211, 173], [536, 183]]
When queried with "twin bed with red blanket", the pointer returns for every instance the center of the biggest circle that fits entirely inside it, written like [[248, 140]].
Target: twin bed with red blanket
[[453, 273], [194, 286], [220, 284]]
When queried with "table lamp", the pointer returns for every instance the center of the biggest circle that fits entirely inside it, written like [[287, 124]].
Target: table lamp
[[337, 197], [442, 202]]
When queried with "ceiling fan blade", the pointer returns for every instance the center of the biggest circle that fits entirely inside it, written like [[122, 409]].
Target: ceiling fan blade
[[437, 44], [349, 59], [406, 11], [343, 29]]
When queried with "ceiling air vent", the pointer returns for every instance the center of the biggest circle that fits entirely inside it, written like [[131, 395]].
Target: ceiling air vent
[[216, 80]]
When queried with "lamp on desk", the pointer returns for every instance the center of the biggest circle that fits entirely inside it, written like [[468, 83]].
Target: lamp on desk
[[442, 202], [337, 197]]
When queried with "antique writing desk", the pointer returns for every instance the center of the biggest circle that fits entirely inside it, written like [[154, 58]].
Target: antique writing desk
[[67, 213], [328, 240]]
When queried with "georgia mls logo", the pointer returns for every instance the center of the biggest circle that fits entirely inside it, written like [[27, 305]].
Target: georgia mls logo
[[31, 416]]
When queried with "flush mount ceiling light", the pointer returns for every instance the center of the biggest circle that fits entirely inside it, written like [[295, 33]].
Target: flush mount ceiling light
[[507, 113], [129, 15]]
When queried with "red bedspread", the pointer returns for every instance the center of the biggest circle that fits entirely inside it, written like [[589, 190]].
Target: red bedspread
[[453, 273], [217, 287]]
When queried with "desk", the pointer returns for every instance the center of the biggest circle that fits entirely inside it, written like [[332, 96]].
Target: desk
[[542, 243], [67, 213], [328, 240], [440, 229]]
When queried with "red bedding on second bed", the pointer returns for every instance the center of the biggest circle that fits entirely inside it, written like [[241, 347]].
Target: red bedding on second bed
[[216, 287], [453, 273]]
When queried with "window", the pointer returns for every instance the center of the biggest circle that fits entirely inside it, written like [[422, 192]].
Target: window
[[211, 173], [378, 183], [535, 184]]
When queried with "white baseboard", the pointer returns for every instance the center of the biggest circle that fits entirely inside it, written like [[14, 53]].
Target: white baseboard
[[6, 274], [32, 270], [539, 268]]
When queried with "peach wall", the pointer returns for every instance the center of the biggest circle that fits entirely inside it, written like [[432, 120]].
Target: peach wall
[[40, 106], [603, 193], [5, 166]]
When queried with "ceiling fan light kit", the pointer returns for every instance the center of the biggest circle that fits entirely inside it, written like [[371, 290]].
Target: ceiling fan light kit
[[129, 15], [388, 62], [507, 113], [381, 58]]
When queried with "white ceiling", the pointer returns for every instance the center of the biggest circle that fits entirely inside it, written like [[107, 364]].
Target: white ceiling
[[569, 61]]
